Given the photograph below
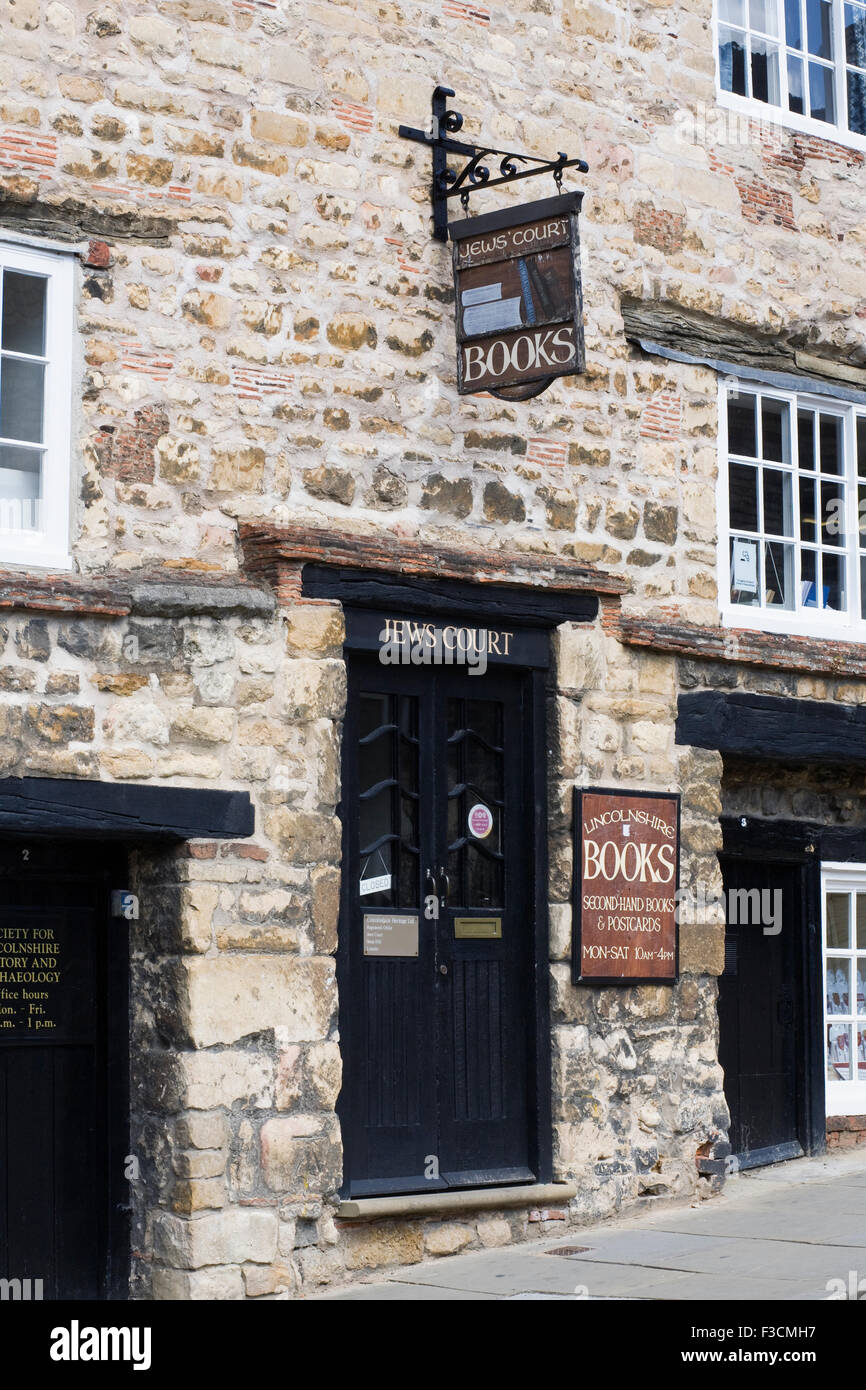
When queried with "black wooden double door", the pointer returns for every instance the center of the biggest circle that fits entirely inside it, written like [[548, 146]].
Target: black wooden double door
[[63, 1073], [435, 962], [761, 1010]]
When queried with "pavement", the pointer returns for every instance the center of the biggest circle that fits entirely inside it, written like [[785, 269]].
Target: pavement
[[783, 1233]]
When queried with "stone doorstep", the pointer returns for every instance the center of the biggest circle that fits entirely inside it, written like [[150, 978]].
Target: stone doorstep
[[467, 1200]]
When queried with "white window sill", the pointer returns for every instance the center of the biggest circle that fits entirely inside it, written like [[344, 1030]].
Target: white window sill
[[845, 1097], [767, 115], [33, 557], [793, 625]]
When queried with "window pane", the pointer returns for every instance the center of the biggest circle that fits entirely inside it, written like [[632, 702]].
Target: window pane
[[778, 508], [774, 426], [732, 61], [742, 435], [744, 497], [733, 12], [855, 35], [861, 515], [779, 575], [806, 438], [793, 25], [861, 921], [23, 313], [838, 991], [744, 571], [819, 27], [831, 444], [808, 519], [21, 393], [765, 71], [838, 1052], [863, 588], [20, 489], [808, 583], [857, 102], [833, 581], [838, 936], [832, 514], [821, 100], [861, 445], [796, 88], [762, 15]]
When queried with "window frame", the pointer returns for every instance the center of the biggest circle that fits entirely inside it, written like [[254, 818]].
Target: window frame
[[842, 1097], [821, 623], [781, 115], [49, 548]]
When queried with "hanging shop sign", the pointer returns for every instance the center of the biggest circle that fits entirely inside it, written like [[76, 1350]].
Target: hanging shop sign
[[626, 876], [518, 298]]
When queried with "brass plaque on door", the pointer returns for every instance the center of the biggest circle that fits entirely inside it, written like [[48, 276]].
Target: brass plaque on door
[[478, 926], [390, 934]]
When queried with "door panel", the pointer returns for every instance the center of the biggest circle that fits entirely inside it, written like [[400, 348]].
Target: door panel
[[761, 1014], [63, 1050], [484, 996], [435, 1044]]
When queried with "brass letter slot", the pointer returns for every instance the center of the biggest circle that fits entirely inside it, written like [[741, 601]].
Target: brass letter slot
[[478, 926]]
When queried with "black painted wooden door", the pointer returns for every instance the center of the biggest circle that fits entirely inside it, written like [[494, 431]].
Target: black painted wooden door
[[63, 1072], [435, 1040], [761, 1012]]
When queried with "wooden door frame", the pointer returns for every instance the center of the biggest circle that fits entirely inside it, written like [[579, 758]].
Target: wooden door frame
[[748, 838], [539, 1104]]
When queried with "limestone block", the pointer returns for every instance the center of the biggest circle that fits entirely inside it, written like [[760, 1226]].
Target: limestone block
[[233, 997], [493, 1231], [198, 902], [305, 837], [234, 1235], [209, 1079], [315, 627], [198, 1194], [216, 1284], [375, 1243], [300, 1154], [202, 1131], [447, 1239], [323, 1070], [315, 689]]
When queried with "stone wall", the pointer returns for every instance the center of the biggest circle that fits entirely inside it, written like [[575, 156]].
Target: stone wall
[[266, 330], [637, 1088], [266, 326]]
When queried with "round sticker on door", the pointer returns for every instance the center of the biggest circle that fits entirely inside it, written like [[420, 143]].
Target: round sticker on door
[[480, 821]]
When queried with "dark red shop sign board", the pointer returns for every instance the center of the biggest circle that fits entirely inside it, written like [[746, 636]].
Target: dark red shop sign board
[[626, 876], [518, 297]]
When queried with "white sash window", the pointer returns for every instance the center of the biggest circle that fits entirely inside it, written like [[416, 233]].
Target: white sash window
[[792, 513], [36, 305], [801, 63], [844, 912]]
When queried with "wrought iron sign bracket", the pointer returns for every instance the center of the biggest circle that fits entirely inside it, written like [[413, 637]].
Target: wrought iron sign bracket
[[475, 174]]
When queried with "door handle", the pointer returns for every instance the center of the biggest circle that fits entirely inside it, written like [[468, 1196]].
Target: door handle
[[430, 880], [444, 887]]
